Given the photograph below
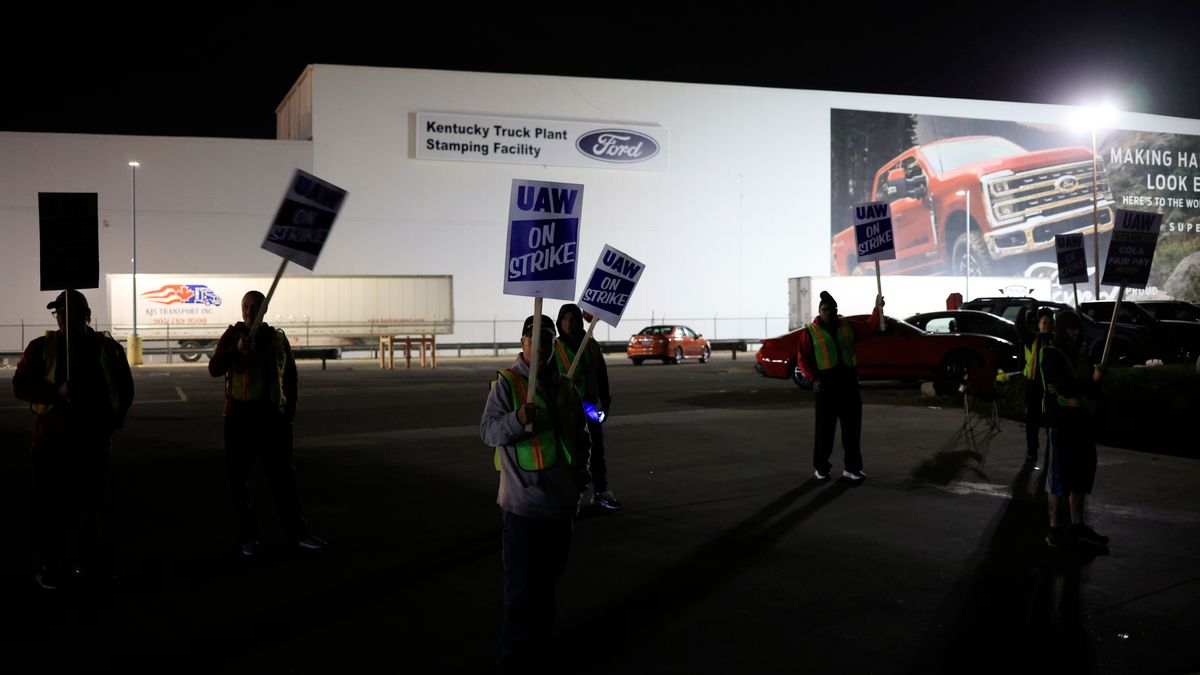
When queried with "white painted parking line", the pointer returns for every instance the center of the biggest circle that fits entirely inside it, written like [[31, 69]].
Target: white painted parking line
[[1145, 513], [183, 398]]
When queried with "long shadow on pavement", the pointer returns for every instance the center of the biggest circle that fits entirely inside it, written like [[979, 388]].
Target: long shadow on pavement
[[1021, 607], [625, 622], [966, 449]]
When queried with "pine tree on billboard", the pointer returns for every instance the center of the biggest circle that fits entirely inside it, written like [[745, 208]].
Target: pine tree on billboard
[[861, 143]]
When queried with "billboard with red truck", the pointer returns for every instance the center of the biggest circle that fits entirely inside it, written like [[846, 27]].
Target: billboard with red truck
[[987, 197]]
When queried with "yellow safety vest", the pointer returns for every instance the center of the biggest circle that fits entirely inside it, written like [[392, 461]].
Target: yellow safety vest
[[823, 345], [50, 358], [262, 380], [540, 451], [584, 377], [1033, 358]]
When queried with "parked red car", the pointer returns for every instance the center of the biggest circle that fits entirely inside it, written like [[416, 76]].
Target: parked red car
[[904, 352], [672, 344]]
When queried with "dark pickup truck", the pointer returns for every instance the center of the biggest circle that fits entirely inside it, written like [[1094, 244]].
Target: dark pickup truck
[[1170, 341], [1131, 343]]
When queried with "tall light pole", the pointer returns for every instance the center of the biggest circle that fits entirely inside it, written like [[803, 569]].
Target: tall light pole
[[135, 344], [1096, 215], [967, 252], [1092, 118]]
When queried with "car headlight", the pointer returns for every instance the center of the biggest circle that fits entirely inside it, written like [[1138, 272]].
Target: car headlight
[[1005, 210], [999, 187]]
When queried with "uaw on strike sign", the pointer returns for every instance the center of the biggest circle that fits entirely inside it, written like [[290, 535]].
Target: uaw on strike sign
[[543, 239], [304, 219], [1131, 249], [607, 292], [873, 232], [1072, 261]]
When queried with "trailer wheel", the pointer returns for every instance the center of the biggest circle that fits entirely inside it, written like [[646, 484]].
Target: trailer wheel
[[194, 354]]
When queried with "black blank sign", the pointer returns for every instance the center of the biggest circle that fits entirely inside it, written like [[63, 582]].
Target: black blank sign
[[70, 242]]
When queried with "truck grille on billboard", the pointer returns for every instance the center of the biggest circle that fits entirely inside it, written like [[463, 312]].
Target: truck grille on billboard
[[1045, 233], [1045, 191]]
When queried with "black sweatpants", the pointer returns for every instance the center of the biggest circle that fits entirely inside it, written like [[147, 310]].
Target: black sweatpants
[[69, 490], [534, 553], [1034, 418], [838, 401], [255, 432], [598, 464]]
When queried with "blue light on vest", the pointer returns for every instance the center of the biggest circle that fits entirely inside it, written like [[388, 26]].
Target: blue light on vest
[[597, 416]]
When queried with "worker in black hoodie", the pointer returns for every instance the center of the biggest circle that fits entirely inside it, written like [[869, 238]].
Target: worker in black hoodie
[[591, 381]]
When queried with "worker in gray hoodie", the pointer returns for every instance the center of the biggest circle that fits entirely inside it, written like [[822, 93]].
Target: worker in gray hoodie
[[543, 473]]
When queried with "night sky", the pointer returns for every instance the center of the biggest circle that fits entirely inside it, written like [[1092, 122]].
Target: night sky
[[224, 77]]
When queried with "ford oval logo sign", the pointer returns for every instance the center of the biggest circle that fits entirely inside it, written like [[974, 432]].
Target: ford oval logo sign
[[1066, 183], [617, 145]]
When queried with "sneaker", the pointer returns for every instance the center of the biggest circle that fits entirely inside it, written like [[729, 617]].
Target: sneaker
[[1056, 538], [606, 500], [310, 543], [250, 548], [47, 579], [821, 475], [853, 475], [1087, 535]]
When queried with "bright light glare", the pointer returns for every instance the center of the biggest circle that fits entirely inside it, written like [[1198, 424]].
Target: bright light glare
[[1093, 116]]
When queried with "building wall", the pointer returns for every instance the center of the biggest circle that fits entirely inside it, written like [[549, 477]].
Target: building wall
[[203, 205], [742, 207]]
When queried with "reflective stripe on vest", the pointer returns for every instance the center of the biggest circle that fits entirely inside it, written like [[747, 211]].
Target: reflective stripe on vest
[[258, 382], [539, 451], [50, 357], [49, 354], [584, 377], [1032, 358], [823, 347]]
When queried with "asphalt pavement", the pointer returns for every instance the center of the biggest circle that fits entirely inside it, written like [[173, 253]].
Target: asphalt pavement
[[727, 557]]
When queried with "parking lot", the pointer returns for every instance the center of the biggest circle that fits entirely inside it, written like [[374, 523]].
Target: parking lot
[[727, 557]]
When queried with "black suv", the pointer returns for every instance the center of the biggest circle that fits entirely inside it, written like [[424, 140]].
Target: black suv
[[1173, 341], [1171, 310], [1131, 344]]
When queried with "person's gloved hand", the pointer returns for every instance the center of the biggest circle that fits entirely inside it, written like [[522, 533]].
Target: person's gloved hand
[[526, 413]]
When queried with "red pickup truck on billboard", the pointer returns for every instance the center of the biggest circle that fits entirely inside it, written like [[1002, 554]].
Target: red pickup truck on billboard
[[1018, 201]]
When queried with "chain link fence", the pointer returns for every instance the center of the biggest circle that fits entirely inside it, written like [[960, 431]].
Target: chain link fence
[[471, 337]]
